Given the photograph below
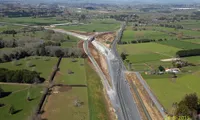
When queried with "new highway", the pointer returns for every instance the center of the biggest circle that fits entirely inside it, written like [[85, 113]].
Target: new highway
[[119, 93]]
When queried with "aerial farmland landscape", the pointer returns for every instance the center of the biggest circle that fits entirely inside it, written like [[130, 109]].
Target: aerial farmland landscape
[[99, 60]]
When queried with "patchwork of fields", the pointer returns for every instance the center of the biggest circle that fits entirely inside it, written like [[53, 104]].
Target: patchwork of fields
[[147, 57], [180, 44], [95, 25], [33, 21]]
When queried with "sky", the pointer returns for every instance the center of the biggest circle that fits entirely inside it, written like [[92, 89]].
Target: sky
[[121, 1]]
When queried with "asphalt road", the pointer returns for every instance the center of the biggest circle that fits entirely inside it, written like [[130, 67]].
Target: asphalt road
[[120, 95], [129, 107]]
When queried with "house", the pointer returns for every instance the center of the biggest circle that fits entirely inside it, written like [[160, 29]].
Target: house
[[172, 70]]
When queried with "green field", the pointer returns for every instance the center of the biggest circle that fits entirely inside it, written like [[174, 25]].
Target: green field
[[70, 43], [147, 56], [61, 105], [188, 24], [8, 27], [43, 65], [197, 41], [130, 35], [144, 48], [180, 44], [193, 59], [32, 21], [97, 25], [97, 102], [142, 58], [169, 92], [78, 76], [17, 98]]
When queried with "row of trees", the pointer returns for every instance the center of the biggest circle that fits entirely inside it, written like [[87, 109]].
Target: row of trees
[[12, 43], [172, 26], [9, 32], [142, 41], [187, 53], [53, 51], [19, 76]]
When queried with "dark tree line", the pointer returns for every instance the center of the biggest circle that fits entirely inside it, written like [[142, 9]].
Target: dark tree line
[[130, 18], [26, 42], [9, 32], [19, 76], [187, 53], [172, 26], [53, 51], [142, 41]]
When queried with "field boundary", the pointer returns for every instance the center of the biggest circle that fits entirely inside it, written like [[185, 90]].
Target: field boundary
[[40, 106]]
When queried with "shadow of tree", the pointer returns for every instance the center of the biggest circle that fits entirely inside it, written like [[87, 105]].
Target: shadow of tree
[[17, 111], [5, 94]]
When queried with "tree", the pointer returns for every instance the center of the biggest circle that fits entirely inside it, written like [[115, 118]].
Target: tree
[[68, 38], [11, 110], [83, 17], [123, 56], [1, 91], [191, 101], [183, 110], [188, 106], [28, 94], [161, 68]]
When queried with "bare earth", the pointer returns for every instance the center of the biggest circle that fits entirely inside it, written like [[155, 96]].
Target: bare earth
[[106, 39]]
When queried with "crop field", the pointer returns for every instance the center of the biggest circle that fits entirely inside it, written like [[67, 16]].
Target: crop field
[[168, 91], [183, 32], [193, 59], [146, 57], [191, 33], [197, 41], [17, 98], [180, 44], [71, 73], [32, 21], [61, 105], [130, 35], [43, 65], [189, 24], [144, 48], [165, 29], [97, 25]]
